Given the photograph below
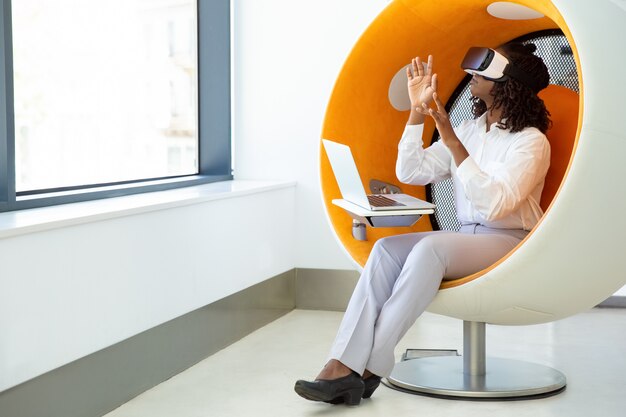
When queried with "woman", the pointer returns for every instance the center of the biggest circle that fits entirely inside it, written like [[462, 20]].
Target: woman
[[498, 163]]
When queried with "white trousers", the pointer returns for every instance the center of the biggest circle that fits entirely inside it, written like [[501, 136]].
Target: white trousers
[[400, 279]]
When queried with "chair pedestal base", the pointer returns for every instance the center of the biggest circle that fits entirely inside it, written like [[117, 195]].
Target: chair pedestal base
[[504, 378]]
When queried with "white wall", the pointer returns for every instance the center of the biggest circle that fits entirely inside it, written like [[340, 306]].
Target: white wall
[[288, 55], [69, 292]]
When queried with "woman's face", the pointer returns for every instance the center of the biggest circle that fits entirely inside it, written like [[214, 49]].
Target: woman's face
[[481, 87]]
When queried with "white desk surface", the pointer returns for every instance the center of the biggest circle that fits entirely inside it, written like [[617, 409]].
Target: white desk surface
[[360, 211]]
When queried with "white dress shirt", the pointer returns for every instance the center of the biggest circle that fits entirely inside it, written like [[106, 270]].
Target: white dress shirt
[[499, 185]]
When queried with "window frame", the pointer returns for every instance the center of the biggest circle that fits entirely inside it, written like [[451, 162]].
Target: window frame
[[214, 119]]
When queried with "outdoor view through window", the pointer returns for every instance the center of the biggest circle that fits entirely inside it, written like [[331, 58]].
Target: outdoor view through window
[[105, 91]]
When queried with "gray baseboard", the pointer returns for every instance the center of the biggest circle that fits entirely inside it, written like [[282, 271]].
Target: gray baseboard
[[615, 301], [96, 384], [324, 289]]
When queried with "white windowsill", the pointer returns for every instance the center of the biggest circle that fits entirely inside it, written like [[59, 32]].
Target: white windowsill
[[20, 222]]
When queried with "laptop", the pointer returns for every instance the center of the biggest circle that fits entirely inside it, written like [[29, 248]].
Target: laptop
[[352, 189]]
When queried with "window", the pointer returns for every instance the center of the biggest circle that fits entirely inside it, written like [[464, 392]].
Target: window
[[103, 98]]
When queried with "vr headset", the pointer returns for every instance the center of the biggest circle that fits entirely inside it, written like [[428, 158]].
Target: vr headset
[[494, 66]]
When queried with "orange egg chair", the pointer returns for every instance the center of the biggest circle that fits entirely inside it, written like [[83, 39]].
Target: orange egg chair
[[559, 269]]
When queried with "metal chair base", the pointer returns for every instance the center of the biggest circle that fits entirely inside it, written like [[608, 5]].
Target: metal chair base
[[504, 378], [473, 375]]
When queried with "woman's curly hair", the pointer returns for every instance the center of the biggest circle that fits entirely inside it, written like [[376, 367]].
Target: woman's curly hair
[[519, 102]]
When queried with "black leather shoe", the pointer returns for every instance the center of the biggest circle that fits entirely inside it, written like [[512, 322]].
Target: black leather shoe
[[349, 388], [370, 384]]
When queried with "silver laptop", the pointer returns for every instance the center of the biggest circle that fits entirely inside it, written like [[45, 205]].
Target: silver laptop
[[352, 189]]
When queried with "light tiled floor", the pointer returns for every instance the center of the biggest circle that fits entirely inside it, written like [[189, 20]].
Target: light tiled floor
[[255, 376]]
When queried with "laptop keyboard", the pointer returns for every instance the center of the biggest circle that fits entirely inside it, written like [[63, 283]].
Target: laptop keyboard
[[381, 201]]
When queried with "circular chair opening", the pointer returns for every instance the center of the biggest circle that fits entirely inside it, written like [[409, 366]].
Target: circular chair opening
[[360, 114]]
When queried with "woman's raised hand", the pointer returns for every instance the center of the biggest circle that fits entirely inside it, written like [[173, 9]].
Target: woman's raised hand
[[421, 82], [446, 131], [441, 118]]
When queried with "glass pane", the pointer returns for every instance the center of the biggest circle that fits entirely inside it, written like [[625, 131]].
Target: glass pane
[[105, 91]]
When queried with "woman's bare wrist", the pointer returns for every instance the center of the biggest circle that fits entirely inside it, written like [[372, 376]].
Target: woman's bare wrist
[[415, 118]]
